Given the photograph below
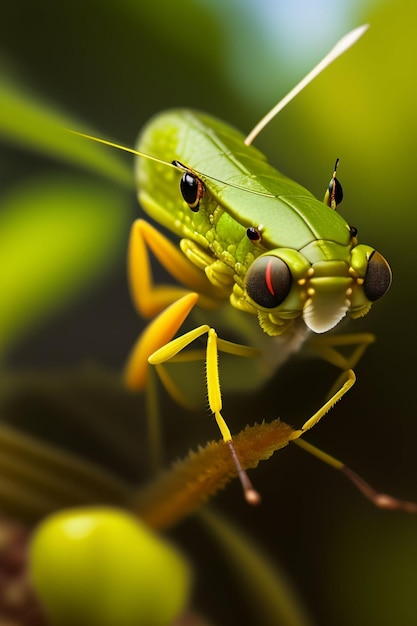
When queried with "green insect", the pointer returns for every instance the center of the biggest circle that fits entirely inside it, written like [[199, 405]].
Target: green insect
[[258, 252]]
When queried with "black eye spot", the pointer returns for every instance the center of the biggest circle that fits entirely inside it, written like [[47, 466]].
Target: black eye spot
[[353, 231], [377, 278], [254, 234], [268, 281], [335, 193], [192, 190]]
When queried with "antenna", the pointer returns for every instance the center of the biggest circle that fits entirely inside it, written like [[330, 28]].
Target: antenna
[[342, 45]]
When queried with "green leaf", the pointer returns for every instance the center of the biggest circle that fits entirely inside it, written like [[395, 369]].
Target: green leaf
[[33, 124], [57, 235]]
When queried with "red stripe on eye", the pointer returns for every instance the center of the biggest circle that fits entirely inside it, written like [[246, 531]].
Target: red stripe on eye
[[268, 278]]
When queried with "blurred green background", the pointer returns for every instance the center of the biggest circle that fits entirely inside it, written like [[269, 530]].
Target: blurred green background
[[63, 236]]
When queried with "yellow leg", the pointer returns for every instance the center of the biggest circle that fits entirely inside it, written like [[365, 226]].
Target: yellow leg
[[191, 356], [381, 500], [314, 419], [156, 346], [329, 353], [158, 333], [213, 384], [151, 299], [171, 350], [215, 402]]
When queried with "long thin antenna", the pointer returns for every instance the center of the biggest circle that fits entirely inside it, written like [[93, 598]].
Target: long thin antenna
[[174, 164], [120, 147], [342, 45]]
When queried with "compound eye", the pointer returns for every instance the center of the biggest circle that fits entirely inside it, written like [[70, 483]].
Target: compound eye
[[192, 190], [377, 278], [268, 281]]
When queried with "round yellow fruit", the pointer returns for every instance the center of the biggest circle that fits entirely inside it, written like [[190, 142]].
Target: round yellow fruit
[[103, 567]]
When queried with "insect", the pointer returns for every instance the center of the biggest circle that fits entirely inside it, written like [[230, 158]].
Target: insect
[[276, 264]]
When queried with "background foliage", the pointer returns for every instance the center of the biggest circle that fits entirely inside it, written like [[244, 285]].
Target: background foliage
[[113, 67]]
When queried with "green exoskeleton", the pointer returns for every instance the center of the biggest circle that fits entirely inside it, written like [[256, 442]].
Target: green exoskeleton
[[278, 264]]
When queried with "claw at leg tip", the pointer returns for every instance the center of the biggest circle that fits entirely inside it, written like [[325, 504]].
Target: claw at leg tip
[[253, 497]]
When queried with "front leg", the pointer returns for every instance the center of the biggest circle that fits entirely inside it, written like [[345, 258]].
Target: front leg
[[151, 299], [171, 352], [158, 333]]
